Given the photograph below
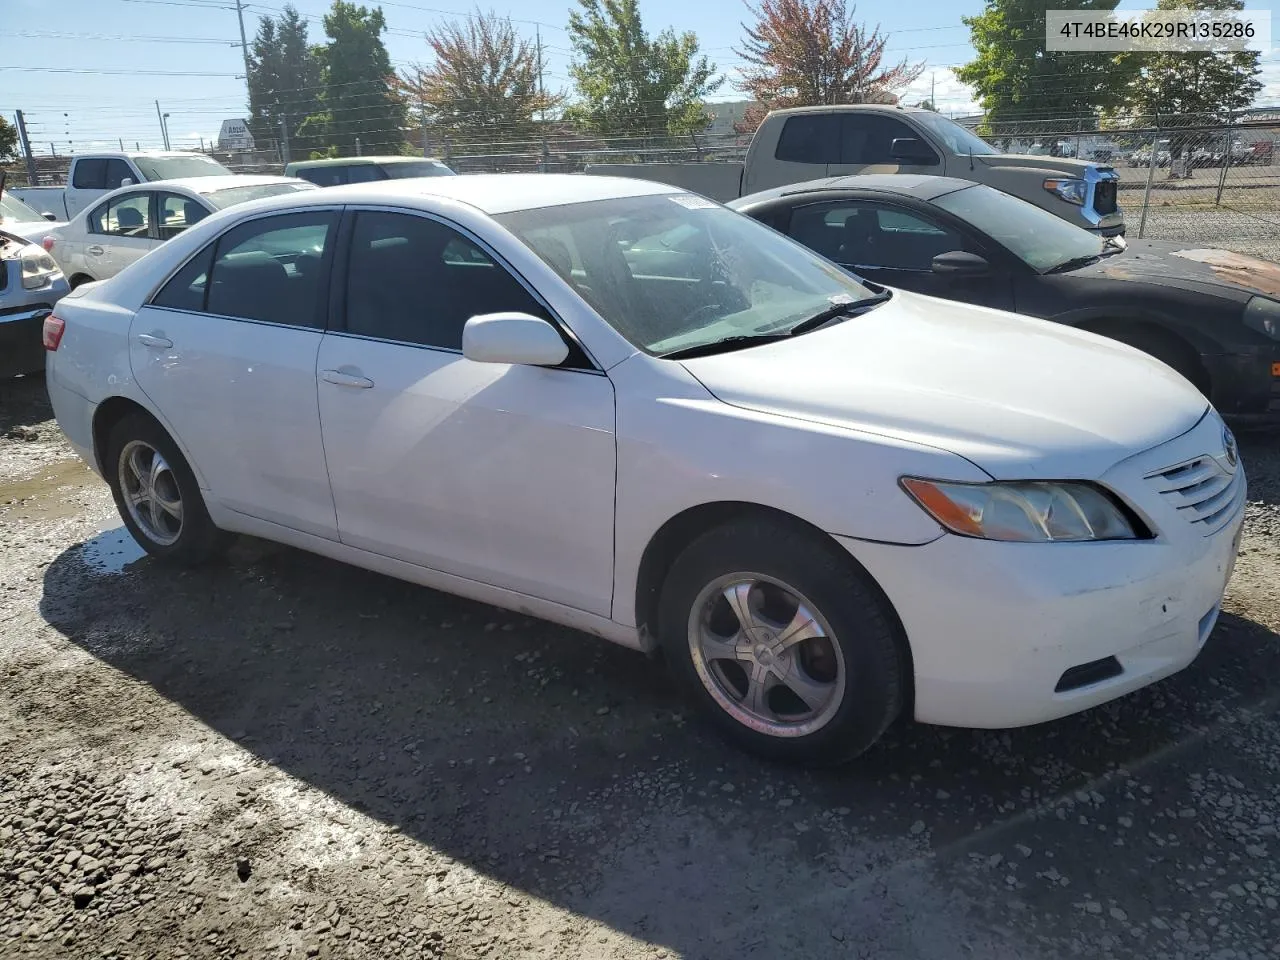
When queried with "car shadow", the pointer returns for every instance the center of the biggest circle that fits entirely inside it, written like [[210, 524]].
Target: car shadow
[[569, 768], [23, 401], [1260, 454]]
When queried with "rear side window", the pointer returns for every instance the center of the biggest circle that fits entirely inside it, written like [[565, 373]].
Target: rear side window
[[186, 288], [364, 173], [126, 216], [810, 138], [324, 176], [272, 270], [90, 174]]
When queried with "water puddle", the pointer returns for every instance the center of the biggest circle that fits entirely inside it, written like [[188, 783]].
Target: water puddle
[[111, 551]]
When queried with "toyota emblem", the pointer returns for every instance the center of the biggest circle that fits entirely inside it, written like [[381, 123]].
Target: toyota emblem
[[1229, 445]]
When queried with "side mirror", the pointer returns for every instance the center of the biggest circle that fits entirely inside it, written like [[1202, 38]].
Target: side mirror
[[913, 151], [126, 181], [52, 217], [513, 338], [957, 263]]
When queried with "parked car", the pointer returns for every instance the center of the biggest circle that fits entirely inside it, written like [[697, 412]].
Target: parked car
[[30, 284], [1212, 315], [793, 146], [132, 221], [827, 501], [93, 175], [18, 218], [337, 172]]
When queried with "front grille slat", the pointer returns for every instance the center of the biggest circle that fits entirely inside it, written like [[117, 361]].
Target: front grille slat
[[1202, 490]]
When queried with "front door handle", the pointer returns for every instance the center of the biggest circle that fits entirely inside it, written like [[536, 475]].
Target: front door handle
[[96, 250], [147, 340], [341, 379]]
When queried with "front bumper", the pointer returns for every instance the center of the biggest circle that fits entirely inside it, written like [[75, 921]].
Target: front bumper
[[998, 630]]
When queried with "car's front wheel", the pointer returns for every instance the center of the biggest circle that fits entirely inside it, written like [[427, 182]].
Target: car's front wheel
[[787, 646], [157, 494]]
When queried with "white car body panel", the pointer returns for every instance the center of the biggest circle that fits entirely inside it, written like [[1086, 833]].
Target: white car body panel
[[539, 490]]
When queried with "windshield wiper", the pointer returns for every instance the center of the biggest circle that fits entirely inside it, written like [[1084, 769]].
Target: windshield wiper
[[1074, 263], [837, 311]]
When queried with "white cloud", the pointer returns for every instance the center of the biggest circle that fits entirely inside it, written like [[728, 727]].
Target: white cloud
[[952, 96]]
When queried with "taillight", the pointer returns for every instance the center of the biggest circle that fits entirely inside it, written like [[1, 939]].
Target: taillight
[[48, 243], [54, 328]]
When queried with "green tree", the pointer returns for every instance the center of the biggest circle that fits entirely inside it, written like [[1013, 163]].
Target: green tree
[[359, 99], [483, 83], [8, 140], [1199, 88], [1017, 79], [284, 80], [631, 83]]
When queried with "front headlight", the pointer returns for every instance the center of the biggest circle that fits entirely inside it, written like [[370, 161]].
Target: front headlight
[[1024, 511], [1072, 191], [1263, 314], [38, 268]]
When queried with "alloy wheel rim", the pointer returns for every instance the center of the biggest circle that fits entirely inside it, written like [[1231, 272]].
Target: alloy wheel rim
[[766, 655], [151, 493]]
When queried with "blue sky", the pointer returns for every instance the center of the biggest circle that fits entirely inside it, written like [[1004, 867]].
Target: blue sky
[[116, 41]]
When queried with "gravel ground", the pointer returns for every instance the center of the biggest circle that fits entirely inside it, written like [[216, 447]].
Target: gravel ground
[[279, 756]]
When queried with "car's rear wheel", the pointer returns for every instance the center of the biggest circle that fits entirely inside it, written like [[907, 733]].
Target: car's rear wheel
[[157, 494], [786, 645]]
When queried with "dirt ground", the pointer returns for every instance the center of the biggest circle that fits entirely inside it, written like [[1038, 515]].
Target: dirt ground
[[280, 756]]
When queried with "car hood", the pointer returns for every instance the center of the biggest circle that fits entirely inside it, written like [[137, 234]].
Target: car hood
[[1068, 165], [1203, 269], [1021, 398]]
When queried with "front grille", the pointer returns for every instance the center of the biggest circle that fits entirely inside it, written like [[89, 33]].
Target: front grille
[[1104, 196], [1202, 490]]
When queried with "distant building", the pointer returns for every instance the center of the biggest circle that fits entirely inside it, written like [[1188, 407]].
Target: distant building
[[725, 115]]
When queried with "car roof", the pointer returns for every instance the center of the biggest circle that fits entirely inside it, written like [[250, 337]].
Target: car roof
[[491, 193], [920, 186], [851, 107], [204, 185], [357, 161], [127, 154]]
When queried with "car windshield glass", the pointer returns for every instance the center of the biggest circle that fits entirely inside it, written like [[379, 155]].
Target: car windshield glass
[[232, 195], [11, 208], [175, 168], [672, 272], [1036, 237], [419, 168], [956, 137]]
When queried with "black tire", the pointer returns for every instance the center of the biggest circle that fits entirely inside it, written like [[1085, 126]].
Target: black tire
[[1172, 352], [862, 626], [195, 538], [78, 281]]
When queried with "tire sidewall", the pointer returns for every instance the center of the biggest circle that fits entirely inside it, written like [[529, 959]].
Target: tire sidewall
[[198, 537], [864, 631]]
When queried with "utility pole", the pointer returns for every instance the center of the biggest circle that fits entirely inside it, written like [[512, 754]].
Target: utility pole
[[422, 105], [537, 28], [933, 90], [164, 133], [284, 139], [244, 44], [26, 148]]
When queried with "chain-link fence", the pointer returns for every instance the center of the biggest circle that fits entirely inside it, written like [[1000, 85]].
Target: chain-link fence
[[1194, 180]]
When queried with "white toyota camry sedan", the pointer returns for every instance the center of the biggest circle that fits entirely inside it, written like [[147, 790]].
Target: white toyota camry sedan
[[632, 411]]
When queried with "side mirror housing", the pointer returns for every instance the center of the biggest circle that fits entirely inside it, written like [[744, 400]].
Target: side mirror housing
[[126, 181], [958, 263], [517, 338], [51, 217], [913, 151]]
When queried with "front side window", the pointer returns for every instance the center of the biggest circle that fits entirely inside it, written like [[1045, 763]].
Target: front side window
[[117, 173], [90, 174], [176, 213], [419, 281], [324, 176], [676, 272], [868, 138], [272, 270], [125, 216], [868, 234], [364, 173], [810, 138]]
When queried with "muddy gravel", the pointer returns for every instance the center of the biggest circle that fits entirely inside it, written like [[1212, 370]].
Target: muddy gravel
[[280, 756]]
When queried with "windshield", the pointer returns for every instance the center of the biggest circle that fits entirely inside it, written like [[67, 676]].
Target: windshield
[[419, 168], [11, 208], [233, 195], [1036, 237], [676, 271], [175, 168], [956, 137]]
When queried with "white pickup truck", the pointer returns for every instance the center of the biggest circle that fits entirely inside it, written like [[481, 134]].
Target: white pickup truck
[[808, 143], [94, 175]]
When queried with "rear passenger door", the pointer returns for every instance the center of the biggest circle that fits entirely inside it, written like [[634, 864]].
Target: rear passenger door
[[227, 351], [807, 144], [494, 473], [121, 231]]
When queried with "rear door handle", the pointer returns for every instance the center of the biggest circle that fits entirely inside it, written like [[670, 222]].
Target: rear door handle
[[96, 250], [341, 379], [147, 340]]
